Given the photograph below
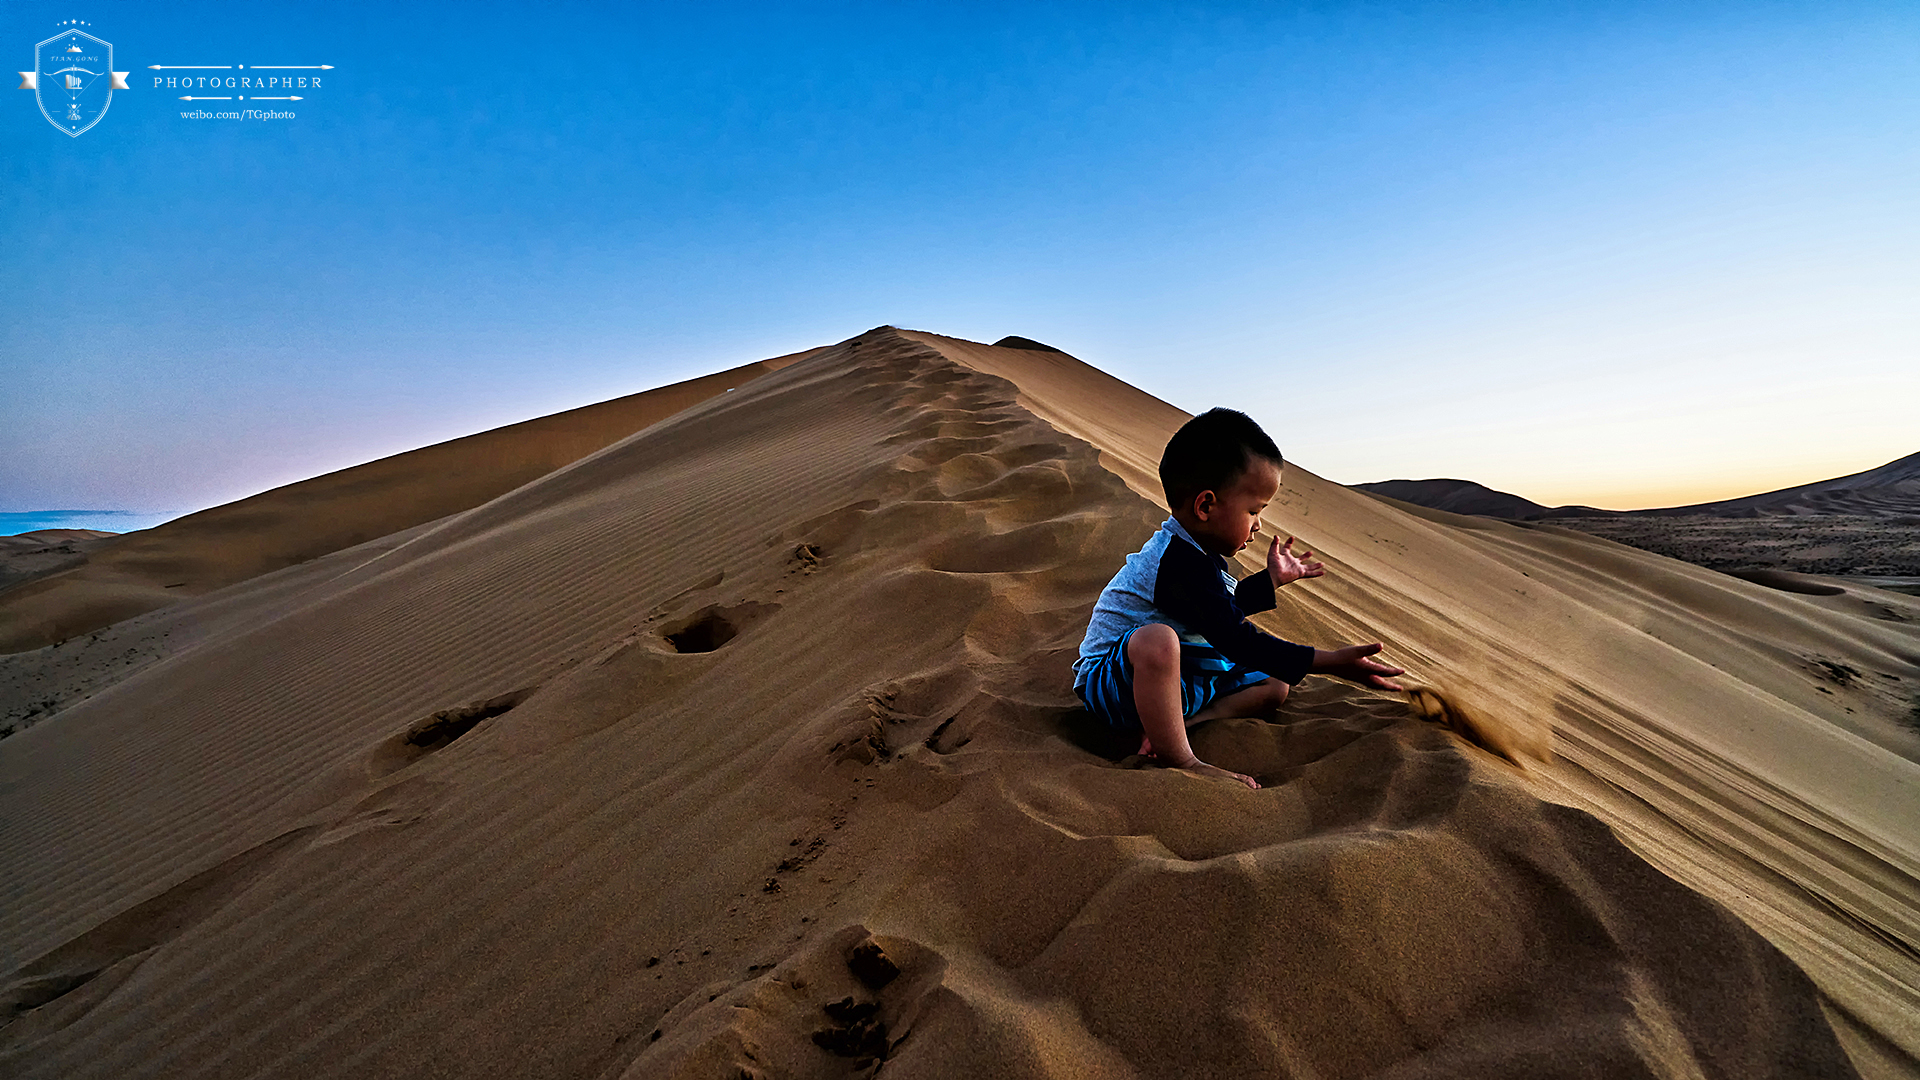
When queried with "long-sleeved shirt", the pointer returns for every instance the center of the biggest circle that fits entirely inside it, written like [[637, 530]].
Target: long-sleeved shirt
[[1173, 580]]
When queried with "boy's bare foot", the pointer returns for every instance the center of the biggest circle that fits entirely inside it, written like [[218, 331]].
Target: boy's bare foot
[[1195, 766], [1201, 768], [1205, 769]]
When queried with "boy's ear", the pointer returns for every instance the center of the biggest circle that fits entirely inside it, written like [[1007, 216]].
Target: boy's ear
[[1204, 504]]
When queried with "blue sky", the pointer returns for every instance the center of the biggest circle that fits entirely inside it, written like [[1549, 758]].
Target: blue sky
[[1619, 254]]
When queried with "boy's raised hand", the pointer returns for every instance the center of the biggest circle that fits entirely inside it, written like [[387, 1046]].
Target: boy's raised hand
[[1284, 566], [1353, 664]]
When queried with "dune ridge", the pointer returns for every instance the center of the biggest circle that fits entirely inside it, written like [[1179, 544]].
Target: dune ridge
[[745, 746]]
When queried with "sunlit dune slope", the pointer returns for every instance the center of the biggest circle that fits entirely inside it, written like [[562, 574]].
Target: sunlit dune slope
[[1758, 745], [746, 746], [1890, 490], [239, 540]]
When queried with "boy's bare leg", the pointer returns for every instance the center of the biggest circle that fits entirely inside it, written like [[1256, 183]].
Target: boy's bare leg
[[1262, 700], [1154, 652]]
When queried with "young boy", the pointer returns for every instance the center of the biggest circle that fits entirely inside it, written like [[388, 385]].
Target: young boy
[[1169, 645]]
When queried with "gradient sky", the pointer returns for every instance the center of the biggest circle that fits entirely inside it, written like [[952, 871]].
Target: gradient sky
[[1609, 253]]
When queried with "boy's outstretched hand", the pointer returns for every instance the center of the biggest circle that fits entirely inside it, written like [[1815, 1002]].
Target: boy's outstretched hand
[[1353, 664], [1284, 566]]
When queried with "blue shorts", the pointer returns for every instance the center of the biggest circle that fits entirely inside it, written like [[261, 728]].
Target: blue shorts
[[1108, 689]]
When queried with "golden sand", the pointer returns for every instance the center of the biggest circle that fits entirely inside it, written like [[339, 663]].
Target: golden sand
[[745, 745]]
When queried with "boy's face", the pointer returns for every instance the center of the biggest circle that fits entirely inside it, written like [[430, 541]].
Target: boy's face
[[1225, 521]]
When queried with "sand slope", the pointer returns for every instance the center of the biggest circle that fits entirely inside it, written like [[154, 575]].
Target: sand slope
[[1756, 744], [239, 540], [628, 772], [1891, 490]]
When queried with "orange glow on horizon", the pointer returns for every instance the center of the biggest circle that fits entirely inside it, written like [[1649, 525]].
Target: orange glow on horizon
[[1678, 493]]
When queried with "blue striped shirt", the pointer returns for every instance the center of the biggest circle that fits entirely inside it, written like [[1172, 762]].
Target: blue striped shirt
[[1173, 580]]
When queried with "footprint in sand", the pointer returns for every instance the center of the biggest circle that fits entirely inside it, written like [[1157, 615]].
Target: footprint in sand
[[437, 732], [714, 625], [839, 1008]]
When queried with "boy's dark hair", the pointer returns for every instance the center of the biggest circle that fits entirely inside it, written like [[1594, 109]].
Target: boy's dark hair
[[1209, 452]]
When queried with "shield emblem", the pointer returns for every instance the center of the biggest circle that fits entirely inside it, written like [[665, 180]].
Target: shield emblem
[[74, 80]]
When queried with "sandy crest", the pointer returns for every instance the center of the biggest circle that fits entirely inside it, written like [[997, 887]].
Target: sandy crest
[[746, 746]]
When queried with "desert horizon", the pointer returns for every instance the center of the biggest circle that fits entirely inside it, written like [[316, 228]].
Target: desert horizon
[[1668, 497]]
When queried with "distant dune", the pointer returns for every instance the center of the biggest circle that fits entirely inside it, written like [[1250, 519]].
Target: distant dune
[[1456, 497], [1860, 527], [745, 746], [43, 551], [202, 552], [50, 538], [1015, 341], [1892, 490]]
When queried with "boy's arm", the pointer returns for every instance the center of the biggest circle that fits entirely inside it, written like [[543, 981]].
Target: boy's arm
[[1353, 664], [1254, 594], [1189, 589]]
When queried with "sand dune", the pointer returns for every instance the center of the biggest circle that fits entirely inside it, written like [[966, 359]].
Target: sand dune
[[745, 746], [1886, 492], [1891, 490], [201, 552], [1457, 497], [49, 537], [41, 552], [1860, 528]]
